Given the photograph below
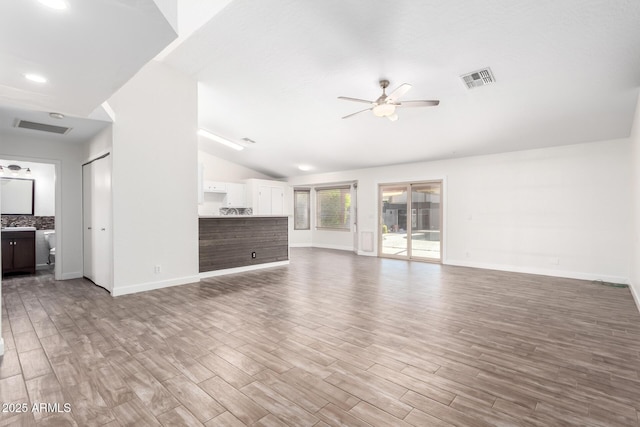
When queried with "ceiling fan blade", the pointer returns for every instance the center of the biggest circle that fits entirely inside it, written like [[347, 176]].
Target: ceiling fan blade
[[346, 98], [357, 112], [418, 103], [400, 90]]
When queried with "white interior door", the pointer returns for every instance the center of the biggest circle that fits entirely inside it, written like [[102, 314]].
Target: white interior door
[[98, 236], [87, 222]]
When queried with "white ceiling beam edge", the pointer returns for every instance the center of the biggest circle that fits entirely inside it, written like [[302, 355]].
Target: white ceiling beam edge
[[191, 16]]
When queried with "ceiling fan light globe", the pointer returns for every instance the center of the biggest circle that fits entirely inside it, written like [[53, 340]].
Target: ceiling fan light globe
[[384, 110]]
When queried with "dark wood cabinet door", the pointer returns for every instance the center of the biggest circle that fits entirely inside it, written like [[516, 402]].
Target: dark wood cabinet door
[[19, 252], [24, 252], [7, 254]]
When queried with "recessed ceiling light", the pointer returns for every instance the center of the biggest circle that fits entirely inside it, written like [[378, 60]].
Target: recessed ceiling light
[[220, 140], [56, 115], [35, 78], [305, 168], [55, 4]]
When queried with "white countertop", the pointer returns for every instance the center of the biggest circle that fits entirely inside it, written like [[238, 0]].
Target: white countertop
[[18, 229], [244, 216]]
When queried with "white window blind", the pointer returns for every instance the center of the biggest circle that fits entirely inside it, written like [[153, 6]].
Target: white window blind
[[301, 209], [333, 208]]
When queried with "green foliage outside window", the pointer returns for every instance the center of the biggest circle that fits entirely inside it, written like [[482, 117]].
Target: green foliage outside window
[[334, 208]]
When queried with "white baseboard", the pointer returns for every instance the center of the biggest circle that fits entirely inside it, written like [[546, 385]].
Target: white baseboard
[[1, 346], [634, 294], [321, 246], [73, 275], [336, 247], [149, 286], [363, 253], [244, 269], [539, 271]]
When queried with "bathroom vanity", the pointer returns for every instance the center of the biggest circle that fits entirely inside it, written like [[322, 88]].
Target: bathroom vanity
[[18, 250]]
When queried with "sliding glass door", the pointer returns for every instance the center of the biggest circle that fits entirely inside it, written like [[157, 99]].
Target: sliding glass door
[[393, 218], [411, 221], [425, 221]]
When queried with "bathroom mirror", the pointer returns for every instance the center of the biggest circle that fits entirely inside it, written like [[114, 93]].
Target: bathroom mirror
[[17, 196]]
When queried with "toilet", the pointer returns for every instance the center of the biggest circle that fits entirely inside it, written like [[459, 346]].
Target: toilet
[[50, 237]]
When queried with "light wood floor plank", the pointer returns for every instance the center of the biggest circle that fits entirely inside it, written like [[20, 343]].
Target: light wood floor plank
[[332, 339], [196, 400], [242, 407]]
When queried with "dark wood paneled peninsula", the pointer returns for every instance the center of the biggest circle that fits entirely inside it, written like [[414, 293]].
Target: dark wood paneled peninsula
[[229, 241]]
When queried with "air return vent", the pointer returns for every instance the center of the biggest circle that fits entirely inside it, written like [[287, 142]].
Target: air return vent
[[60, 130], [478, 78]]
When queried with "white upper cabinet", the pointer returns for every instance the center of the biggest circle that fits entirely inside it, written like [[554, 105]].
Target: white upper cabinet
[[268, 197], [235, 197], [215, 187]]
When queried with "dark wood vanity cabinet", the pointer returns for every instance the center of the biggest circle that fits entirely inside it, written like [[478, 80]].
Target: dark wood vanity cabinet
[[18, 252]]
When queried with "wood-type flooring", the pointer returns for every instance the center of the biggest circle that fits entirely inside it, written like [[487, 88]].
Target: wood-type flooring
[[333, 339]]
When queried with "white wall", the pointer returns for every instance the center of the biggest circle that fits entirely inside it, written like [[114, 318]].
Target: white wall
[[635, 198], [99, 144], [330, 239], [561, 211], [67, 158], [155, 169], [44, 175], [217, 169]]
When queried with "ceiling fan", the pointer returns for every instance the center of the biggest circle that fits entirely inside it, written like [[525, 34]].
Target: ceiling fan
[[385, 105]]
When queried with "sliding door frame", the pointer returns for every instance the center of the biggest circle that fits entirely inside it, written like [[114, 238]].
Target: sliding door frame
[[408, 187]]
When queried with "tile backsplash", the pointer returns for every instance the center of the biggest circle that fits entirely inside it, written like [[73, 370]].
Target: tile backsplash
[[236, 211], [39, 222]]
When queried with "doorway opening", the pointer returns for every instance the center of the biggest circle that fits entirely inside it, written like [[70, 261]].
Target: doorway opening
[[30, 217], [410, 219]]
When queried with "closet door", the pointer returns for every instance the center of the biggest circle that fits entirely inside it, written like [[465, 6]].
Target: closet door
[[87, 220], [98, 254]]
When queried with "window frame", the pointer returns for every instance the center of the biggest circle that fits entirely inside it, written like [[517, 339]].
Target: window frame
[[295, 208], [318, 206]]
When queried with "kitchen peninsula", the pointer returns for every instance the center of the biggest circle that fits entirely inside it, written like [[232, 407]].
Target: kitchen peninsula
[[231, 241], [243, 225]]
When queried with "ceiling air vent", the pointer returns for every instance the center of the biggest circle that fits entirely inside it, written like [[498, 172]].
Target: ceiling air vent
[[60, 130], [478, 78]]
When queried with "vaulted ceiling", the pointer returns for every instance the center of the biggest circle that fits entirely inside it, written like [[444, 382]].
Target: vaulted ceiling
[[566, 72], [85, 52]]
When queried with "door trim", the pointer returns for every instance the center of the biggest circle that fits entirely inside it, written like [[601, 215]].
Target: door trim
[[408, 185]]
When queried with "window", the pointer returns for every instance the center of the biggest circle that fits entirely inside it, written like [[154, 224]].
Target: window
[[333, 208], [301, 209]]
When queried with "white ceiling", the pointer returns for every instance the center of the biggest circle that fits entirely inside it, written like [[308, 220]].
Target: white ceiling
[[567, 72], [86, 52], [82, 130]]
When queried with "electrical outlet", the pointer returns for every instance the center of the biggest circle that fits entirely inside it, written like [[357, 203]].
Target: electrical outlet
[[157, 269], [253, 254], [555, 260]]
